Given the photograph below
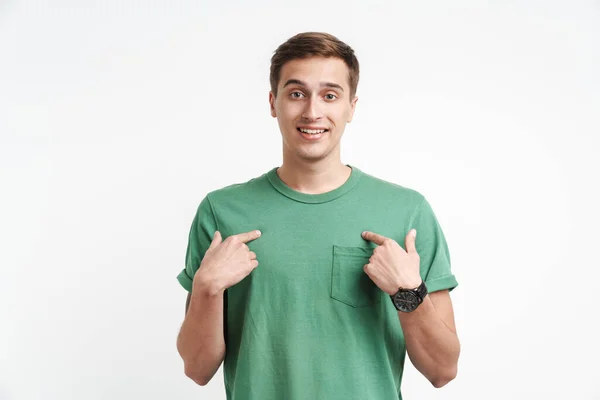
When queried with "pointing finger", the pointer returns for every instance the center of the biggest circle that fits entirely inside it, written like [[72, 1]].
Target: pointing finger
[[410, 241], [373, 237], [216, 239], [248, 236]]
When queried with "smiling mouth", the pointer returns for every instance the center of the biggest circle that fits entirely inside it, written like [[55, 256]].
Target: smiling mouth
[[312, 135], [312, 131]]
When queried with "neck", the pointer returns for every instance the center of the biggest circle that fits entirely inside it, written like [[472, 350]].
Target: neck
[[315, 177]]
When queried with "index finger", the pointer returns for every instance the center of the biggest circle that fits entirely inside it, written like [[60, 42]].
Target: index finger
[[248, 236], [373, 237]]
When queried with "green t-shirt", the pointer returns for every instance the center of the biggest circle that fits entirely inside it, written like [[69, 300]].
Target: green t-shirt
[[308, 322]]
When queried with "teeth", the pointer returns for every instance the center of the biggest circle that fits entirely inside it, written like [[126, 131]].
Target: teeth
[[312, 131]]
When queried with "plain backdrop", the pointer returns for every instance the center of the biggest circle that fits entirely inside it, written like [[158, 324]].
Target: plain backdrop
[[117, 117]]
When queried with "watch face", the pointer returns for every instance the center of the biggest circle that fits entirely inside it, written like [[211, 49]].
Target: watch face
[[406, 301]]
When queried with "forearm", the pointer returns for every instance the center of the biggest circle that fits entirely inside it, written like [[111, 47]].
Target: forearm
[[431, 345], [201, 342]]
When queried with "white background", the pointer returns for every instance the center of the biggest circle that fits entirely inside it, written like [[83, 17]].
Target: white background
[[117, 117]]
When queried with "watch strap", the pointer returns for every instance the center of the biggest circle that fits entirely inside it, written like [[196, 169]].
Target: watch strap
[[422, 290]]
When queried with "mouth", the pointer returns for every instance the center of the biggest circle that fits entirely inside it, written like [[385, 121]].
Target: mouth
[[312, 134]]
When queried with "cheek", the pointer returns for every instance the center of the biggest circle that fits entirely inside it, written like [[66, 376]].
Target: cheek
[[291, 112], [341, 116], [286, 117]]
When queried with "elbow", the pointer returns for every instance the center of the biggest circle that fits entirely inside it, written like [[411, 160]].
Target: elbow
[[444, 377], [202, 370], [193, 374]]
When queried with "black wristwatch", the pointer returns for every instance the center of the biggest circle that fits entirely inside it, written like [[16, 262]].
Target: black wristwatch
[[407, 300]]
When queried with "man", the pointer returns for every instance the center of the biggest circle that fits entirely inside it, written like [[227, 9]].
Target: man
[[331, 311]]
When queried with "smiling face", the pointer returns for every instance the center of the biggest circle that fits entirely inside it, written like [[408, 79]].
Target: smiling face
[[313, 94]]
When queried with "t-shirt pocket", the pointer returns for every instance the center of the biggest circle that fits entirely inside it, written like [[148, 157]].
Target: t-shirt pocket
[[349, 282]]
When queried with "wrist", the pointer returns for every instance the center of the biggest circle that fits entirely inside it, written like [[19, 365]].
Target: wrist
[[207, 285], [408, 299], [411, 283]]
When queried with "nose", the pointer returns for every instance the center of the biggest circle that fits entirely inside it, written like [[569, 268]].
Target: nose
[[312, 111]]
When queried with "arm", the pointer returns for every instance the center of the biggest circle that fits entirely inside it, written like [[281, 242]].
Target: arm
[[431, 340], [201, 342]]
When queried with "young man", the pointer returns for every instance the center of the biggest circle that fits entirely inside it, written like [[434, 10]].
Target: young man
[[331, 310]]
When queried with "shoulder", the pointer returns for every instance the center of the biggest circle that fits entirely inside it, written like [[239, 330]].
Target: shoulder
[[237, 190], [392, 191]]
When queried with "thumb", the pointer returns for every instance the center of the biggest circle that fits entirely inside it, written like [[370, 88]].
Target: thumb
[[410, 241], [216, 240]]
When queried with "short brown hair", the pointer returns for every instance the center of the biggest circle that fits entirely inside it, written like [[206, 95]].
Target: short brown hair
[[308, 44]]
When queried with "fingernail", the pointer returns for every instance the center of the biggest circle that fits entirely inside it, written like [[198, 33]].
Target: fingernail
[[414, 233], [258, 233]]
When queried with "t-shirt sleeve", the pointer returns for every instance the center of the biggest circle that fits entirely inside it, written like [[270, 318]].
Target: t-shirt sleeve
[[433, 250], [201, 234]]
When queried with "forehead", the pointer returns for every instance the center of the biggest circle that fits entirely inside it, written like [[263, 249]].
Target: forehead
[[314, 70]]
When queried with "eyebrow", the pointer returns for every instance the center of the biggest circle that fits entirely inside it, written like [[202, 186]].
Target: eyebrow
[[301, 83]]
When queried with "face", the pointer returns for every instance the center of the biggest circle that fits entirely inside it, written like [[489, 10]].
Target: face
[[314, 94]]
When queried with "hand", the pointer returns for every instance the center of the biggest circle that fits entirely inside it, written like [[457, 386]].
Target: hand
[[391, 267], [227, 262]]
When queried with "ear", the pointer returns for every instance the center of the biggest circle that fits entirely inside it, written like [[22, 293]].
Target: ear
[[272, 104], [352, 107]]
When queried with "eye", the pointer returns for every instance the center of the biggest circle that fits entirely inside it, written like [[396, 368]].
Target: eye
[[333, 96], [296, 97]]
